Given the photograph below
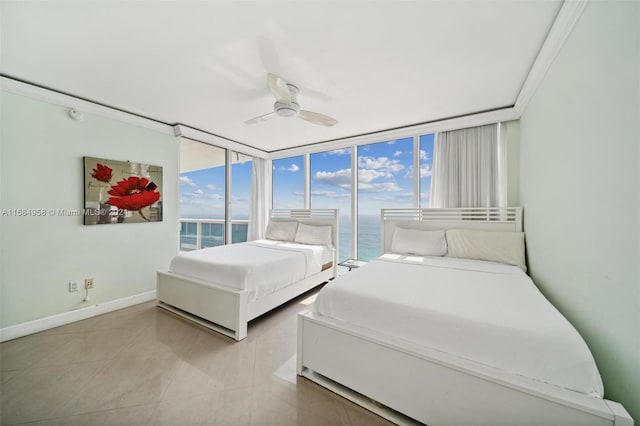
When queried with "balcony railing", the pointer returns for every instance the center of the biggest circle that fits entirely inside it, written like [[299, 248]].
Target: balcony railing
[[202, 233]]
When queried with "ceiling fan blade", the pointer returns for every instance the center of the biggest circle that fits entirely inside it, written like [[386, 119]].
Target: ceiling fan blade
[[279, 89], [317, 118], [268, 53], [264, 117]]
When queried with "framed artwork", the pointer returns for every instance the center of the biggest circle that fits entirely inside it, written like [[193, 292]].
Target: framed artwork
[[121, 192]]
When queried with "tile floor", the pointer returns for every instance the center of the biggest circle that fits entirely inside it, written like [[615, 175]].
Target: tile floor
[[144, 366]]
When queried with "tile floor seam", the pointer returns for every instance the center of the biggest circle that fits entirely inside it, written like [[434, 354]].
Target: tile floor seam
[[50, 419], [20, 371], [144, 377]]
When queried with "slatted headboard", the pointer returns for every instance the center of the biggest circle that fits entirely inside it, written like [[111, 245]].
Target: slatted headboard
[[479, 218], [318, 217]]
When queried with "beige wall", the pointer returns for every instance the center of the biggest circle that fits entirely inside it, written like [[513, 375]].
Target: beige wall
[[42, 168], [580, 188]]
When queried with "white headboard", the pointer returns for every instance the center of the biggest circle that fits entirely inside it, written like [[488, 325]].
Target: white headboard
[[480, 218], [316, 217]]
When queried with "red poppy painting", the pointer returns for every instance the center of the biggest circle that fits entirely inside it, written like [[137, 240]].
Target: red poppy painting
[[134, 197]]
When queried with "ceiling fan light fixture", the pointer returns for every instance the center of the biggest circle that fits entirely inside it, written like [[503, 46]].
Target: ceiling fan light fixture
[[286, 110], [286, 104]]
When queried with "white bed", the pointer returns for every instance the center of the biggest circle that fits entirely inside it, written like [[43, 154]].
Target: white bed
[[434, 340], [225, 287]]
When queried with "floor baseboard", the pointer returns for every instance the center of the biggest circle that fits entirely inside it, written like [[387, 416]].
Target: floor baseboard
[[35, 326]]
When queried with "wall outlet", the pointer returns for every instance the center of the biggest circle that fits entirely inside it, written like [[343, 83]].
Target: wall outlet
[[73, 286], [88, 283]]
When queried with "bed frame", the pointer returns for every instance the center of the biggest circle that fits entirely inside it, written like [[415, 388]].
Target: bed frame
[[407, 385], [227, 310]]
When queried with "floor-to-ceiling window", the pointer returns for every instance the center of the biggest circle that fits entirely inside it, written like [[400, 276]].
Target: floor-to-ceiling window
[[426, 162], [330, 188], [202, 195], [288, 183], [385, 180]]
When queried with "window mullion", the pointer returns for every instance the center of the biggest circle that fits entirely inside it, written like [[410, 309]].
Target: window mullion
[[416, 171], [227, 197]]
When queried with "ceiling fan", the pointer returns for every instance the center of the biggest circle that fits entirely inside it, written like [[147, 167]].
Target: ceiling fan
[[287, 105]]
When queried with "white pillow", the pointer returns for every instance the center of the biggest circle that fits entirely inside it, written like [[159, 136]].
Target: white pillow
[[418, 241], [281, 230], [503, 247], [309, 234]]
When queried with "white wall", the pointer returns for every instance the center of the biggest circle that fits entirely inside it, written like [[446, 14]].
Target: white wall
[[42, 168], [580, 188]]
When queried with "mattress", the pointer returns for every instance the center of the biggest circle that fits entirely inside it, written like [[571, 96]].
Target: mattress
[[484, 312], [260, 267]]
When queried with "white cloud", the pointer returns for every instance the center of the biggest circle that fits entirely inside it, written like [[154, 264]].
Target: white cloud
[[197, 193], [211, 187], [200, 194], [293, 168], [341, 178], [425, 198], [330, 194], [380, 163], [425, 171], [185, 180], [367, 175], [343, 151], [424, 155], [404, 197], [397, 153], [379, 187]]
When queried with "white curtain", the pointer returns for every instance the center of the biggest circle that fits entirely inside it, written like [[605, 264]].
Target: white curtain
[[260, 196], [468, 168]]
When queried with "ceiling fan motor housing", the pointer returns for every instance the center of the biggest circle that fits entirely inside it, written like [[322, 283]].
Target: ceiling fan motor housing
[[287, 105], [288, 110]]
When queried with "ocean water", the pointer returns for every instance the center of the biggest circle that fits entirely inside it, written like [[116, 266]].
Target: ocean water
[[212, 234], [369, 235]]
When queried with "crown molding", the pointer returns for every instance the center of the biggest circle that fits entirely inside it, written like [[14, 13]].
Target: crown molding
[[471, 120], [568, 16], [22, 88]]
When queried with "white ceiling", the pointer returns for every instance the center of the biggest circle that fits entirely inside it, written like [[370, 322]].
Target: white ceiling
[[371, 65]]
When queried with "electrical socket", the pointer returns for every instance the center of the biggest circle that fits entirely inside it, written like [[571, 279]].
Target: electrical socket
[[73, 286], [88, 283]]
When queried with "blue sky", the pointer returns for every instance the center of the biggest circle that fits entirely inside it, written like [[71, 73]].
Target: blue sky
[[385, 173], [202, 192]]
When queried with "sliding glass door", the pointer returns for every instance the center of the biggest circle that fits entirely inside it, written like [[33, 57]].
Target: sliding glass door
[[202, 195], [204, 220]]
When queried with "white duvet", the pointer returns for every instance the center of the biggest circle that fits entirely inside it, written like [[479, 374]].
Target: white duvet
[[260, 267], [486, 312]]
